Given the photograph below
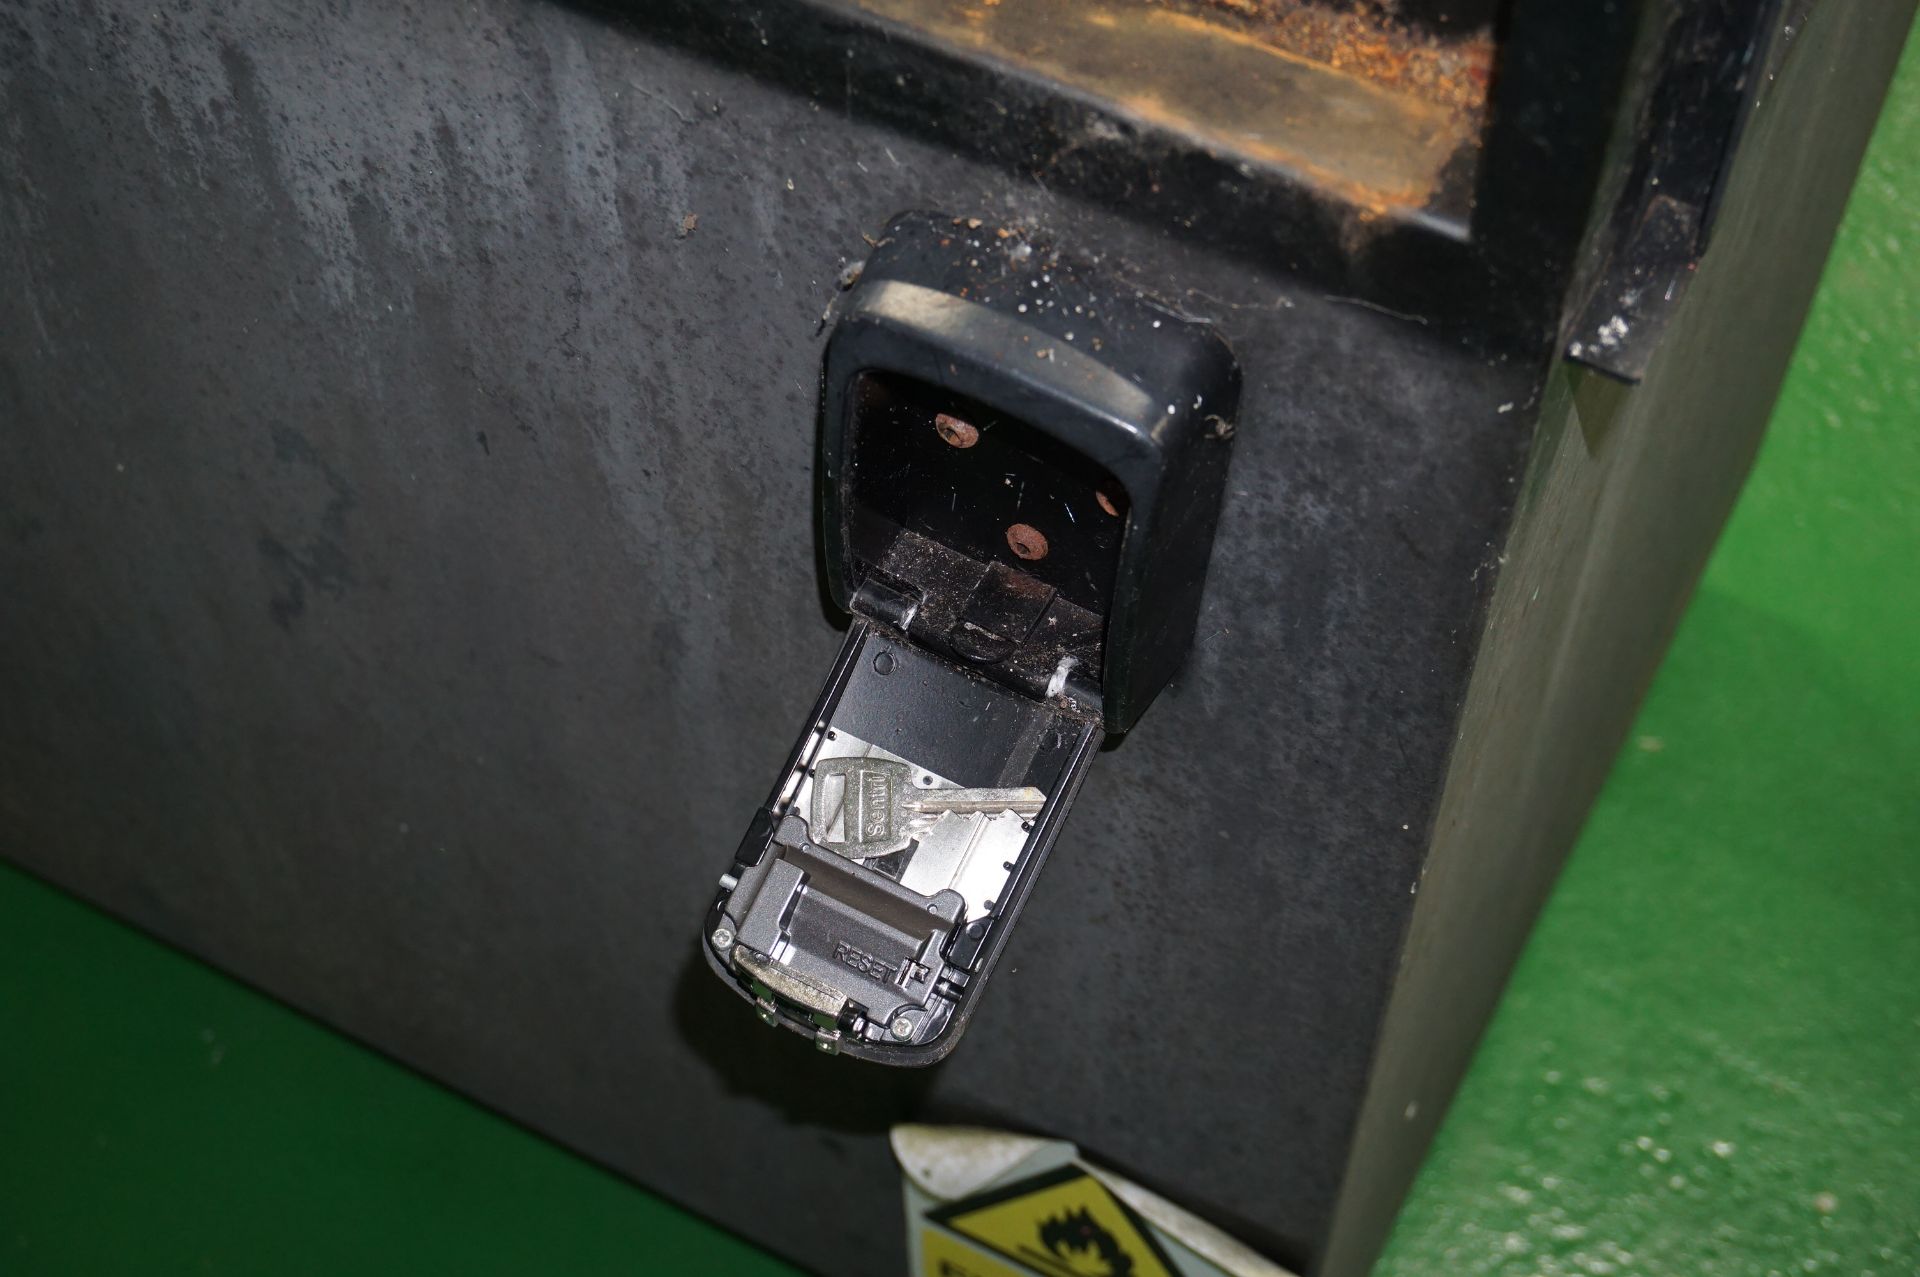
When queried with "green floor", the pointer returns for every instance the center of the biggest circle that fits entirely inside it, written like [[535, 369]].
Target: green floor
[[1709, 1060]]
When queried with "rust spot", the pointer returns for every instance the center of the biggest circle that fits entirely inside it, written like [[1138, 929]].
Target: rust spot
[[1106, 502], [1363, 41], [1027, 541], [960, 434], [1375, 111]]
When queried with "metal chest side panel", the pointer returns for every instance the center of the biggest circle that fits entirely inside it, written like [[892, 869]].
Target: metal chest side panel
[[410, 589], [1625, 499]]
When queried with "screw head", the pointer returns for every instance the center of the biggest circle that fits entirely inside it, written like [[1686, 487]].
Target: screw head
[[1027, 541], [722, 938], [901, 1027], [957, 433]]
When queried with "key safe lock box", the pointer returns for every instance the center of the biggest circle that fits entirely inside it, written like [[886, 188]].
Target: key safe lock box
[[1019, 475]]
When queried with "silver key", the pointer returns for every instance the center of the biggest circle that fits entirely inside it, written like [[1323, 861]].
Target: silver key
[[878, 807]]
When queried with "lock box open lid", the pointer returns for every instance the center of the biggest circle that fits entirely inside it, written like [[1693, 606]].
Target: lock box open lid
[[1087, 404], [1020, 473], [879, 946]]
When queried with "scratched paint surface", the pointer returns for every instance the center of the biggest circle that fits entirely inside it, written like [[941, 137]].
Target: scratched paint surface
[[1709, 1061]]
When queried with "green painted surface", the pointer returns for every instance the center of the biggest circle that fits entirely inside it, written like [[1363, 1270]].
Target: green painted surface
[[159, 1118], [1709, 1060]]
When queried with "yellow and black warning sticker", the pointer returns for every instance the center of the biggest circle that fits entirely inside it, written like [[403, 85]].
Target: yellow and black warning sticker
[[944, 1255], [1061, 1224]]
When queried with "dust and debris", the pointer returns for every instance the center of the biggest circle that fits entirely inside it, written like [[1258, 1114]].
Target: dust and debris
[[688, 224], [1366, 42], [1057, 683]]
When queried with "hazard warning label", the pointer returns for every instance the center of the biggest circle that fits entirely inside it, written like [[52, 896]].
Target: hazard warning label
[[944, 1255], [1062, 1224]]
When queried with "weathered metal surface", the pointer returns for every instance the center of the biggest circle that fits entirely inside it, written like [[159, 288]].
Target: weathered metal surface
[[1375, 115], [410, 582]]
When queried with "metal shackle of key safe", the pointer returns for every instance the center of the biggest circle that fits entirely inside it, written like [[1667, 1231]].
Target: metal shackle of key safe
[[1020, 469]]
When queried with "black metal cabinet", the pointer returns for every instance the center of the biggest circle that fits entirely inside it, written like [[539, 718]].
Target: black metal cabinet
[[411, 583]]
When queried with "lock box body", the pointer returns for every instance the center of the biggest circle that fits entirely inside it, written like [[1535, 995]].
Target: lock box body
[[1021, 466], [415, 573]]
